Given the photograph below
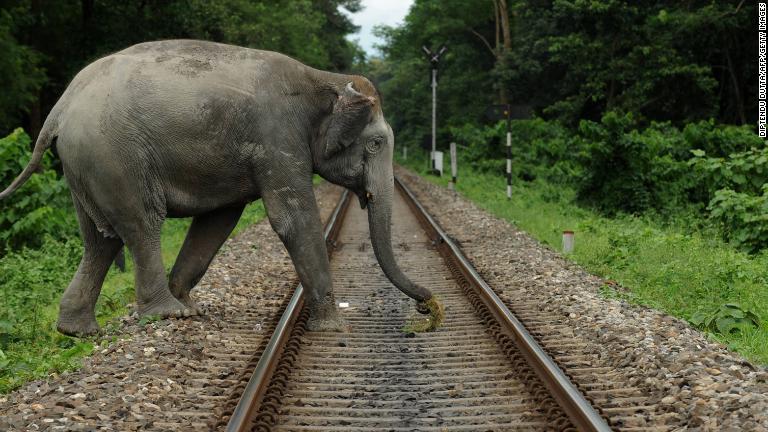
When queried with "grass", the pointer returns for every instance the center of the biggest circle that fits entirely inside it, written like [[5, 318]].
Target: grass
[[429, 322], [31, 283], [671, 267]]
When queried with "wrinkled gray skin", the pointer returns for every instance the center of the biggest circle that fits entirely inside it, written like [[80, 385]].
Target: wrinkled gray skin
[[188, 128]]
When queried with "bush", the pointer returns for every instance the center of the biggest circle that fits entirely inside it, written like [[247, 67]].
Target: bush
[[30, 280], [736, 188], [705, 169], [540, 149], [481, 146], [742, 217], [720, 140], [743, 172], [41, 207], [632, 171]]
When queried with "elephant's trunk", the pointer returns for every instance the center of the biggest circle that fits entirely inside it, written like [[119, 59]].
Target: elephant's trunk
[[379, 221]]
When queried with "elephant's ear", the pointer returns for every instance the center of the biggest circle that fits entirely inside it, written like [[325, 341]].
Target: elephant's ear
[[350, 115]]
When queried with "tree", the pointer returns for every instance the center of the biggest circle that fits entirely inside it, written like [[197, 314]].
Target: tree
[[20, 75], [503, 41], [49, 42], [466, 85], [572, 60], [336, 26]]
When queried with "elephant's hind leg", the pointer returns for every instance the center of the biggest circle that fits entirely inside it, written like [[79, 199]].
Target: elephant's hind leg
[[153, 297], [206, 235], [76, 309]]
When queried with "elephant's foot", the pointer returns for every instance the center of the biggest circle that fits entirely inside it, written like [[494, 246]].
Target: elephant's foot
[[77, 325], [166, 307], [187, 301], [326, 318]]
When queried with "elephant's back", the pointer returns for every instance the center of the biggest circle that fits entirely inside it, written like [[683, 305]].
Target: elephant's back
[[189, 58], [183, 63], [183, 85], [193, 48]]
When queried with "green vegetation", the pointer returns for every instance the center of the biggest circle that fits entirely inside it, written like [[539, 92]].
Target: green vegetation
[[570, 60], [31, 283], [664, 265], [703, 173], [430, 321], [41, 208]]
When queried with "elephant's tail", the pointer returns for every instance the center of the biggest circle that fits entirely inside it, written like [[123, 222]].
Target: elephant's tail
[[44, 141]]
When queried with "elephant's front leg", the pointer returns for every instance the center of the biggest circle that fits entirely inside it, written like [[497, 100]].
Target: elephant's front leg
[[293, 214]]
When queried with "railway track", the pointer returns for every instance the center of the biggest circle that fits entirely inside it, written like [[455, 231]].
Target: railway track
[[481, 370], [642, 370]]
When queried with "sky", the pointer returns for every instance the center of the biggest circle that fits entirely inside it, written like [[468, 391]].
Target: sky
[[388, 12]]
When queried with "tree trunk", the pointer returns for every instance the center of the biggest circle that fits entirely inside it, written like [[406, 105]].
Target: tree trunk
[[35, 118], [736, 88], [502, 20]]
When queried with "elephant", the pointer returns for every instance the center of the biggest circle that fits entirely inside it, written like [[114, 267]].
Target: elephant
[[187, 128]]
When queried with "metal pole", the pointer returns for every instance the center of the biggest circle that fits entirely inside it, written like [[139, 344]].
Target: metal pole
[[405, 152], [434, 116], [452, 184], [509, 157]]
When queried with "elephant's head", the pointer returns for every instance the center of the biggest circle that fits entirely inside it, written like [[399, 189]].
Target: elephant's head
[[356, 145]]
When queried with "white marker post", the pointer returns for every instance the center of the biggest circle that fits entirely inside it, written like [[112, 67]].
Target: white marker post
[[438, 161], [452, 184], [509, 154], [434, 115], [567, 241], [405, 152]]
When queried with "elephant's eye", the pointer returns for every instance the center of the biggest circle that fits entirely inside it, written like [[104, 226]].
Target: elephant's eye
[[374, 144]]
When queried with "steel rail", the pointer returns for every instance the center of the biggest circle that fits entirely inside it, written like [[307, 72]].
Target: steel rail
[[568, 397], [257, 385]]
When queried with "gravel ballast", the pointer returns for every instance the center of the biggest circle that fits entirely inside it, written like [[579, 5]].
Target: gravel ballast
[[691, 382]]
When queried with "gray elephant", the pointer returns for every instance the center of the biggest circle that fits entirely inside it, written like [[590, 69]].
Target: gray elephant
[[184, 128]]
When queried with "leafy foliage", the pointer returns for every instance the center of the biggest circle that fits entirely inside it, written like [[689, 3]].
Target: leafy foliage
[[726, 319], [465, 87], [540, 149], [572, 60], [743, 171], [717, 140], [31, 279], [628, 170], [20, 74], [743, 217], [39, 208], [31, 283], [737, 189], [617, 167]]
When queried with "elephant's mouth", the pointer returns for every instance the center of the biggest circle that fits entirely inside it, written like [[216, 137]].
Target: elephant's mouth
[[365, 199]]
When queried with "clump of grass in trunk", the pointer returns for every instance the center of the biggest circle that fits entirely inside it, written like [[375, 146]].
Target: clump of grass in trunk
[[427, 322]]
